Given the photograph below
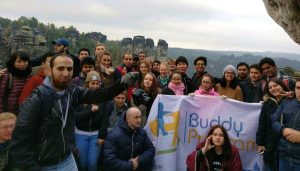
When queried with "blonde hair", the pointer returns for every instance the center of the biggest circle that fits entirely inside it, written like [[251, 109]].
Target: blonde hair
[[7, 115]]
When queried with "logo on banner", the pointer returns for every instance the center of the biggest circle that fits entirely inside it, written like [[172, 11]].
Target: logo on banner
[[166, 123]]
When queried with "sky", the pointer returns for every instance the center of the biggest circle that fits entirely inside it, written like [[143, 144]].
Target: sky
[[231, 25]]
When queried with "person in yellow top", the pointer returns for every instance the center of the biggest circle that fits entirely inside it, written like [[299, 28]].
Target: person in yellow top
[[229, 84]]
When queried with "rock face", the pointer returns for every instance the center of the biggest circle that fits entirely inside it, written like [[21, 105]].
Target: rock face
[[139, 43], [286, 13], [29, 40], [162, 48], [98, 37]]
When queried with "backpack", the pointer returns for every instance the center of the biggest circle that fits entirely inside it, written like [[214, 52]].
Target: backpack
[[8, 89]]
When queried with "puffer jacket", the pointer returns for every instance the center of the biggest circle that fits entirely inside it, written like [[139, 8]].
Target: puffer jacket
[[287, 116], [13, 95], [123, 143], [41, 138]]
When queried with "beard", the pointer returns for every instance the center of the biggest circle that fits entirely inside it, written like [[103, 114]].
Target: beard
[[59, 84]]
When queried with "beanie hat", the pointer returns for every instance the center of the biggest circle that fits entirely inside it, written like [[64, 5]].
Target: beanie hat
[[182, 59], [92, 76], [230, 67]]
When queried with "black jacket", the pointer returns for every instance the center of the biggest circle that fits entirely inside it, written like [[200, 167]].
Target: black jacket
[[39, 138], [251, 93], [123, 143], [195, 82], [265, 135], [187, 83], [89, 121]]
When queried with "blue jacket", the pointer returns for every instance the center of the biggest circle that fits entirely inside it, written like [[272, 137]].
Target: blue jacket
[[288, 116], [123, 143]]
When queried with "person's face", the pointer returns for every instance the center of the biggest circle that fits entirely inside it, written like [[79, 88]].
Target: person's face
[[61, 72], [176, 79], [143, 69], [142, 56], [206, 83], [150, 62], [156, 66], [6, 128], [94, 84], [255, 74], [86, 68], [148, 80], [242, 72], [182, 67], [120, 100], [163, 70], [218, 137], [99, 50], [172, 66], [106, 61], [20, 64], [200, 66], [229, 75], [297, 90], [275, 89], [128, 60], [83, 54], [134, 119], [59, 48], [269, 70]]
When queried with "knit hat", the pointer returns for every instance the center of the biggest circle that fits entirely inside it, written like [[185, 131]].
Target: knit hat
[[92, 76], [230, 67], [182, 59]]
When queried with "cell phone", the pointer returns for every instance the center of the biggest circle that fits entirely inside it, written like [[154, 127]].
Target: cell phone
[[262, 152]]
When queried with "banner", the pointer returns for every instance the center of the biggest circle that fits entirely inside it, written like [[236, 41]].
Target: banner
[[176, 125]]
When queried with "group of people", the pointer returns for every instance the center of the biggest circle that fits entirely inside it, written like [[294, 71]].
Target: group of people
[[73, 111]]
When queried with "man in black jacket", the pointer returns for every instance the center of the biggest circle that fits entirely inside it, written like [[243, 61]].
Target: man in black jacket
[[127, 146], [44, 133]]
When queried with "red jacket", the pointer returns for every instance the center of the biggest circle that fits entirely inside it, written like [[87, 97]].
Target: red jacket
[[233, 164], [31, 84]]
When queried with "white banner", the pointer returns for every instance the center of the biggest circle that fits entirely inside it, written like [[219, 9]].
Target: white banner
[[176, 125]]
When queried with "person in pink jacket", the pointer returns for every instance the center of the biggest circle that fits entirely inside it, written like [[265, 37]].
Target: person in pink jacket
[[206, 86]]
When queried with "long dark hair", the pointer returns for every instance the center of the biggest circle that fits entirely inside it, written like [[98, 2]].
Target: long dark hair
[[233, 84], [277, 81], [153, 91], [10, 64], [226, 147]]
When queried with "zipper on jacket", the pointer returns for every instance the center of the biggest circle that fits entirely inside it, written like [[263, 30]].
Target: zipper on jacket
[[42, 150], [132, 145]]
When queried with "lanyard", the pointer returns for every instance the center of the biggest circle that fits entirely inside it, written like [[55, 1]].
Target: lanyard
[[65, 116]]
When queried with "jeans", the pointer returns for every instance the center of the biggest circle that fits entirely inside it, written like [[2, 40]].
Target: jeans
[[288, 166], [89, 152], [66, 165]]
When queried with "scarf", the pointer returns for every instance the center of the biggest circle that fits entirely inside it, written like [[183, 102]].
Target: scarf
[[178, 89]]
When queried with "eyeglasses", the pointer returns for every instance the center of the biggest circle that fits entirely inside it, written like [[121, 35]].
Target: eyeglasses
[[200, 64], [206, 82]]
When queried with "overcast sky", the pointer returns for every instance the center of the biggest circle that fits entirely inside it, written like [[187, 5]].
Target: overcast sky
[[239, 25]]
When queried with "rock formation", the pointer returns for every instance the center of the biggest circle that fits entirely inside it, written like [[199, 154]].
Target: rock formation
[[162, 48], [97, 37], [139, 43], [286, 13]]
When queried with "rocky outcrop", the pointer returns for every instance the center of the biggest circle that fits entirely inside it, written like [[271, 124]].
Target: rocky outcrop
[[162, 48], [139, 43], [97, 37], [286, 13]]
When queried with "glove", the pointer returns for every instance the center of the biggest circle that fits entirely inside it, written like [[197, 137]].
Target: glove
[[130, 78]]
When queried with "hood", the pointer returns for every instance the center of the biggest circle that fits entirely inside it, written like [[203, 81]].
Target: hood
[[41, 73]]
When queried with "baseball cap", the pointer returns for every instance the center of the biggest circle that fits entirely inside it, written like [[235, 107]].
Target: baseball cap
[[61, 41]]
